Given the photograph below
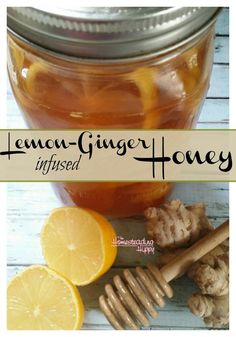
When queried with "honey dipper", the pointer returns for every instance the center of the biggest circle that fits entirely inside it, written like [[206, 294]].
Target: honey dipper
[[135, 295]]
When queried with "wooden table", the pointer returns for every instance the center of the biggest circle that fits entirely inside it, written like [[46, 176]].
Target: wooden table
[[30, 203]]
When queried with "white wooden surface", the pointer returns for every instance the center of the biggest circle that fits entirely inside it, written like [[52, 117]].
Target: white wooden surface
[[30, 203]]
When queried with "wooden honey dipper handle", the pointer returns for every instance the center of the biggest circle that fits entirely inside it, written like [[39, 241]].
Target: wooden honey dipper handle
[[127, 301], [184, 260]]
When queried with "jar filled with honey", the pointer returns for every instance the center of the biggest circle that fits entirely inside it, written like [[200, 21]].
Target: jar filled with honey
[[101, 68]]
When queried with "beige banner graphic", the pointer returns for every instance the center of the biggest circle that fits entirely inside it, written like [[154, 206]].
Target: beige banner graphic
[[117, 155]]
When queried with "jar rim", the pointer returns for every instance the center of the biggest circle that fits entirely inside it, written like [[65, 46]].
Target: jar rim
[[106, 35], [185, 44]]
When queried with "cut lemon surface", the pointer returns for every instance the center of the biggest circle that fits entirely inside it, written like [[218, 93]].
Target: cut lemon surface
[[40, 299], [144, 78], [78, 243]]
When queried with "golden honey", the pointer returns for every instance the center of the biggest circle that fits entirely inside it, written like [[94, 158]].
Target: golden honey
[[163, 91]]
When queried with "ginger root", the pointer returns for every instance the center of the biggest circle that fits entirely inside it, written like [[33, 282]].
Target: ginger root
[[175, 225], [214, 310], [211, 274]]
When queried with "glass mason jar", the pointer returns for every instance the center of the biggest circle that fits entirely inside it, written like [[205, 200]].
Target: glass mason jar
[[146, 68]]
